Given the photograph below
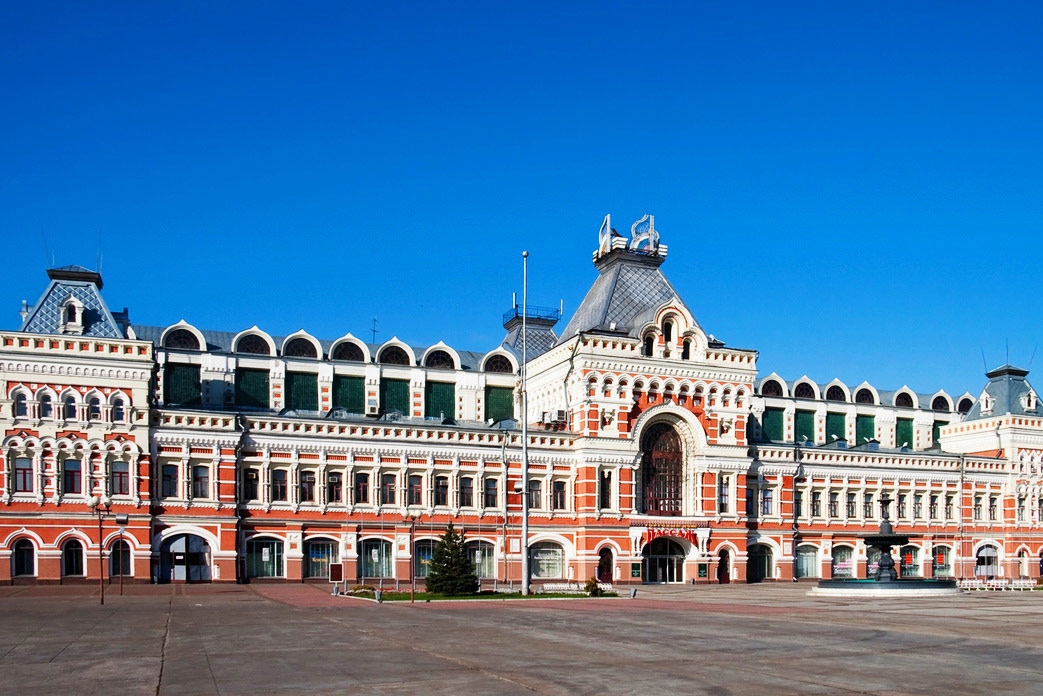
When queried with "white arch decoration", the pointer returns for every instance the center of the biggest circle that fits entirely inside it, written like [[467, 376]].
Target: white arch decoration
[[254, 331], [182, 324], [441, 345], [349, 338], [301, 333]]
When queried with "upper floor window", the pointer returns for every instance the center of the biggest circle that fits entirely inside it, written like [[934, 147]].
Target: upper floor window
[[441, 490], [723, 494], [168, 484], [766, 501], [439, 360], [70, 313], [864, 396], [834, 505], [201, 482], [300, 348], [490, 493], [251, 487], [867, 506], [307, 486], [771, 388], [668, 331], [387, 489], [118, 413], [278, 485], [851, 505], [558, 495], [94, 409], [46, 406], [349, 352], [120, 478], [648, 345], [903, 400], [72, 476], [416, 490], [940, 403], [835, 393], [334, 486], [361, 488], [252, 343], [499, 363], [965, 405], [21, 405], [535, 493], [181, 339], [23, 475], [605, 490], [686, 350], [466, 492], [804, 391], [393, 355]]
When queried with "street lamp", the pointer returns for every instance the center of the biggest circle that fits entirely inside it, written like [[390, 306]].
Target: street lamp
[[525, 426], [100, 507], [122, 519]]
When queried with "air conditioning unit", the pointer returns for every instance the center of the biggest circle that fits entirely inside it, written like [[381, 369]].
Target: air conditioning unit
[[560, 416], [545, 417], [372, 408]]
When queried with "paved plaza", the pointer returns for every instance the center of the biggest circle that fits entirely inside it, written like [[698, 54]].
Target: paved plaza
[[739, 639]]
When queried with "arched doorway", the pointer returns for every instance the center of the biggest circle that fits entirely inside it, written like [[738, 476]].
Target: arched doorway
[[1023, 563], [605, 565], [72, 559], [663, 561], [724, 570], [807, 561], [318, 554], [661, 471], [758, 563], [986, 562], [23, 559], [184, 558]]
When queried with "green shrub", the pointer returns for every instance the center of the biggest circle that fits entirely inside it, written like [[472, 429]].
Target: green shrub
[[592, 588]]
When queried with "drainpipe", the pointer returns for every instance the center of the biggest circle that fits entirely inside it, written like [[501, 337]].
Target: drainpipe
[[240, 422], [963, 463]]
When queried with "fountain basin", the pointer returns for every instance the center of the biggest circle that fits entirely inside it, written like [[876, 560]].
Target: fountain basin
[[879, 589]]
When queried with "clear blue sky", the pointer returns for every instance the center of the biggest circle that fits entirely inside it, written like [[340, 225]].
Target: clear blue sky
[[853, 191]]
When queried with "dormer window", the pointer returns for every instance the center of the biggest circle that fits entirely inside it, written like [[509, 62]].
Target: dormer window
[[668, 331], [686, 350], [71, 319], [986, 404], [648, 345], [1030, 401]]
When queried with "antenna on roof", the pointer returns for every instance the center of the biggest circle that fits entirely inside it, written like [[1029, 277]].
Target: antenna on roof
[[561, 307], [514, 300], [1006, 341], [101, 256], [47, 253], [983, 363], [374, 329], [1033, 356]]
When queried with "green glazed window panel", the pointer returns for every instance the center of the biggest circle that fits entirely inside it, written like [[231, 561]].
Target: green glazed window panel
[[302, 391], [904, 432], [936, 431], [804, 426], [865, 428], [251, 388], [440, 400], [394, 395], [774, 425], [181, 385], [836, 427], [499, 403], [349, 393]]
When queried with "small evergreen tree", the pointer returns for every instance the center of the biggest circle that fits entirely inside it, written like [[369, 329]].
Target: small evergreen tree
[[450, 571]]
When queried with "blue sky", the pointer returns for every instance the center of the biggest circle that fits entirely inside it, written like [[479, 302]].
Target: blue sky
[[855, 191]]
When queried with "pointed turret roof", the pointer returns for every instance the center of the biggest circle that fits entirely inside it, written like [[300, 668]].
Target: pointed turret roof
[[1009, 393], [85, 286]]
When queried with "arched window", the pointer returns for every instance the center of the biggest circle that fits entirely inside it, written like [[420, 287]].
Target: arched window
[[662, 560], [300, 348], [940, 562], [686, 350], [648, 345], [940, 403], [864, 396], [375, 558], [252, 343], [835, 393], [181, 339], [843, 562], [94, 409], [965, 405], [804, 391], [910, 565], [986, 562], [119, 559], [439, 360], [72, 558], [46, 406], [318, 554], [264, 558], [70, 408], [70, 313], [771, 388], [546, 560], [807, 561], [23, 558], [668, 331], [482, 558], [348, 352], [499, 363], [21, 405], [118, 413], [424, 551], [903, 400], [393, 355], [661, 471]]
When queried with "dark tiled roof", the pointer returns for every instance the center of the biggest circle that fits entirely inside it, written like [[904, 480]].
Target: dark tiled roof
[[45, 316], [1009, 390]]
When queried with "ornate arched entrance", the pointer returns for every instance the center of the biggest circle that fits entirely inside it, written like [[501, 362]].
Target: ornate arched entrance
[[724, 572], [662, 561], [758, 563], [661, 471], [184, 558]]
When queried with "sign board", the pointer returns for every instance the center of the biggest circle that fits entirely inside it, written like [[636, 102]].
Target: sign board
[[336, 572], [704, 570], [635, 570]]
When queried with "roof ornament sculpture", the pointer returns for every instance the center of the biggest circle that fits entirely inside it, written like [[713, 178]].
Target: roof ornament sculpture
[[644, 232]]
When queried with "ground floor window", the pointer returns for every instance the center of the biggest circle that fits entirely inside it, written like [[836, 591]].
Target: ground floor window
[[986, 562], [941, 565], [23, 559], [119, 559], [318, 555], [807, 562], [843, 562], [546, 560], [375, 558], [264, 558], [72, 558], [422, 554], [481, 555], [910, 566], [872, 561]]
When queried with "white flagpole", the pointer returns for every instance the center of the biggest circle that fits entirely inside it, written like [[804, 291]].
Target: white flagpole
[[525, 426]]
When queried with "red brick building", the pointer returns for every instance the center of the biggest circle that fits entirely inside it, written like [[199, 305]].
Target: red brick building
[[656, 452]]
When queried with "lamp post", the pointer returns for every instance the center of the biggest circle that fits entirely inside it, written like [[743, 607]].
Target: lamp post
[[798, 477], [525, 427], [100, 507], [122, 519], [412, 559]]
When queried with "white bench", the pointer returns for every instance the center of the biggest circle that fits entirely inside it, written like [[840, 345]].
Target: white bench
[[561, 587], [971, 584], [996, 584], [1022, 584]]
